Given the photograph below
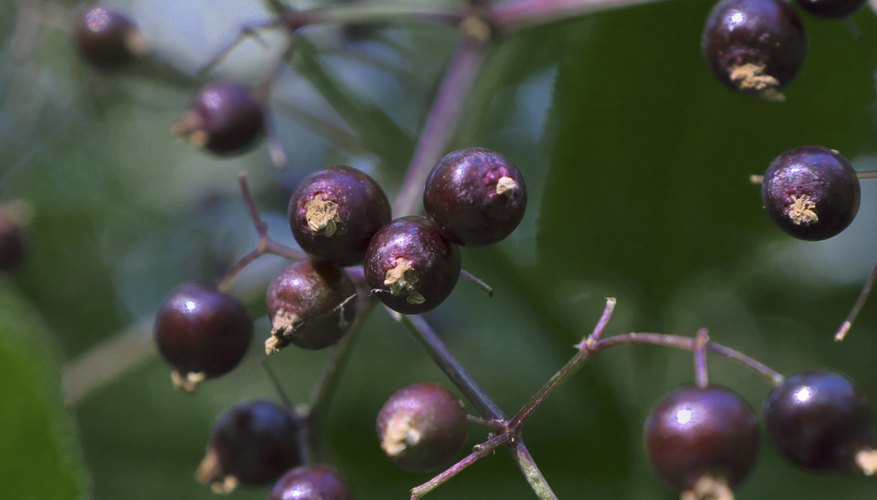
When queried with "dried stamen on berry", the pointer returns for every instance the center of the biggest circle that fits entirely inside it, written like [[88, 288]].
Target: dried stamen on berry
[[322, 216], [402, 280], [866, 459], [505, 184], [802, 210], [401, 433], [709, 488], [752, 77], [187, 382], [210, 471], [284, 326]]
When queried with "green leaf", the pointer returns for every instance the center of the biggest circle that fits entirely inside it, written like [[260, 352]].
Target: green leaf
[[39, 458]]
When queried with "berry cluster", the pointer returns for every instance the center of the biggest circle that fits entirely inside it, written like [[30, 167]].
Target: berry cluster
[[702, 440]]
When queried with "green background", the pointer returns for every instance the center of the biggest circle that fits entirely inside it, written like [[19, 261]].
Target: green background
[[637, 165]]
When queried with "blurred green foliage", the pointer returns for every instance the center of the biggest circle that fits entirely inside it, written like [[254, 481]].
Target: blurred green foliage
[[637, 164]]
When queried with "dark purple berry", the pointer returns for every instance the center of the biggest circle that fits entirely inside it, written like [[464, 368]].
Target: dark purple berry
[[108, 39], [311, 305], [820, 421], [831, 9], [475, 196], [11, 242], [225, 119], [754, 46], [335, 212], [201, 333], [312, 482], [811, 192], [251, 444], [421, 427], [410, 266], [699, 438]]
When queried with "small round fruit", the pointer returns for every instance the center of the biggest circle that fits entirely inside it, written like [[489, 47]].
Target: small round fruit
[[831, 9], [697, 435], [754, 46], [421, 427], [108, 39], [201, 333], [811, 192], [251, 444], [311, 304], [225, 119], [335, 212], [11, 243], [818, 420], [410, 266], [312, 482], [475, 196]]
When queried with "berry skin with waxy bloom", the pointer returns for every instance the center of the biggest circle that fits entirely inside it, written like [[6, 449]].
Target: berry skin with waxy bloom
[[811, 192], [411, 268], [335, 212], [225, 119], [310, 304], [251, 444], [202, 333], [312, 482], [421, 427], [475, 196], [108, 39]]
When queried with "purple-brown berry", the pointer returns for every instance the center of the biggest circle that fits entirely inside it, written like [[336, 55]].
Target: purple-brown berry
[[312, 482], [310, 304], [475, 196], [225, 119], [202, 333], [251, 444], [108, 39], [421, 427], [335, 212], [410, 267]]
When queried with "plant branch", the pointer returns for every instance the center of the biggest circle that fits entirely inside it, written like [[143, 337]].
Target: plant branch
[[441, 121], [531, 472], [480, 451], [368, 12], [857, 306]]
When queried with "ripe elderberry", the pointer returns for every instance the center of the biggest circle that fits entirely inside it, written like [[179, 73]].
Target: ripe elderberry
[[811, 192], [225, 119], [702, 439], [201, 333], [754, 46], [831, 9], [820, 421], [475, 196], [251, 444], [312, 482], [311, 305], [108, 39], [421, 427], [335, 212], [411, 266]]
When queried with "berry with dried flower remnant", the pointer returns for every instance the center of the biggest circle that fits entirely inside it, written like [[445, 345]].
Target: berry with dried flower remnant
[[335, 212], [421, 427], [108, 39], [202, 333], [475, 196], [754, 46], [312, 482], [311, 304], [251, 444], [820, 421], [811, 192], [410, 266], [225, 119], [702, 440]]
